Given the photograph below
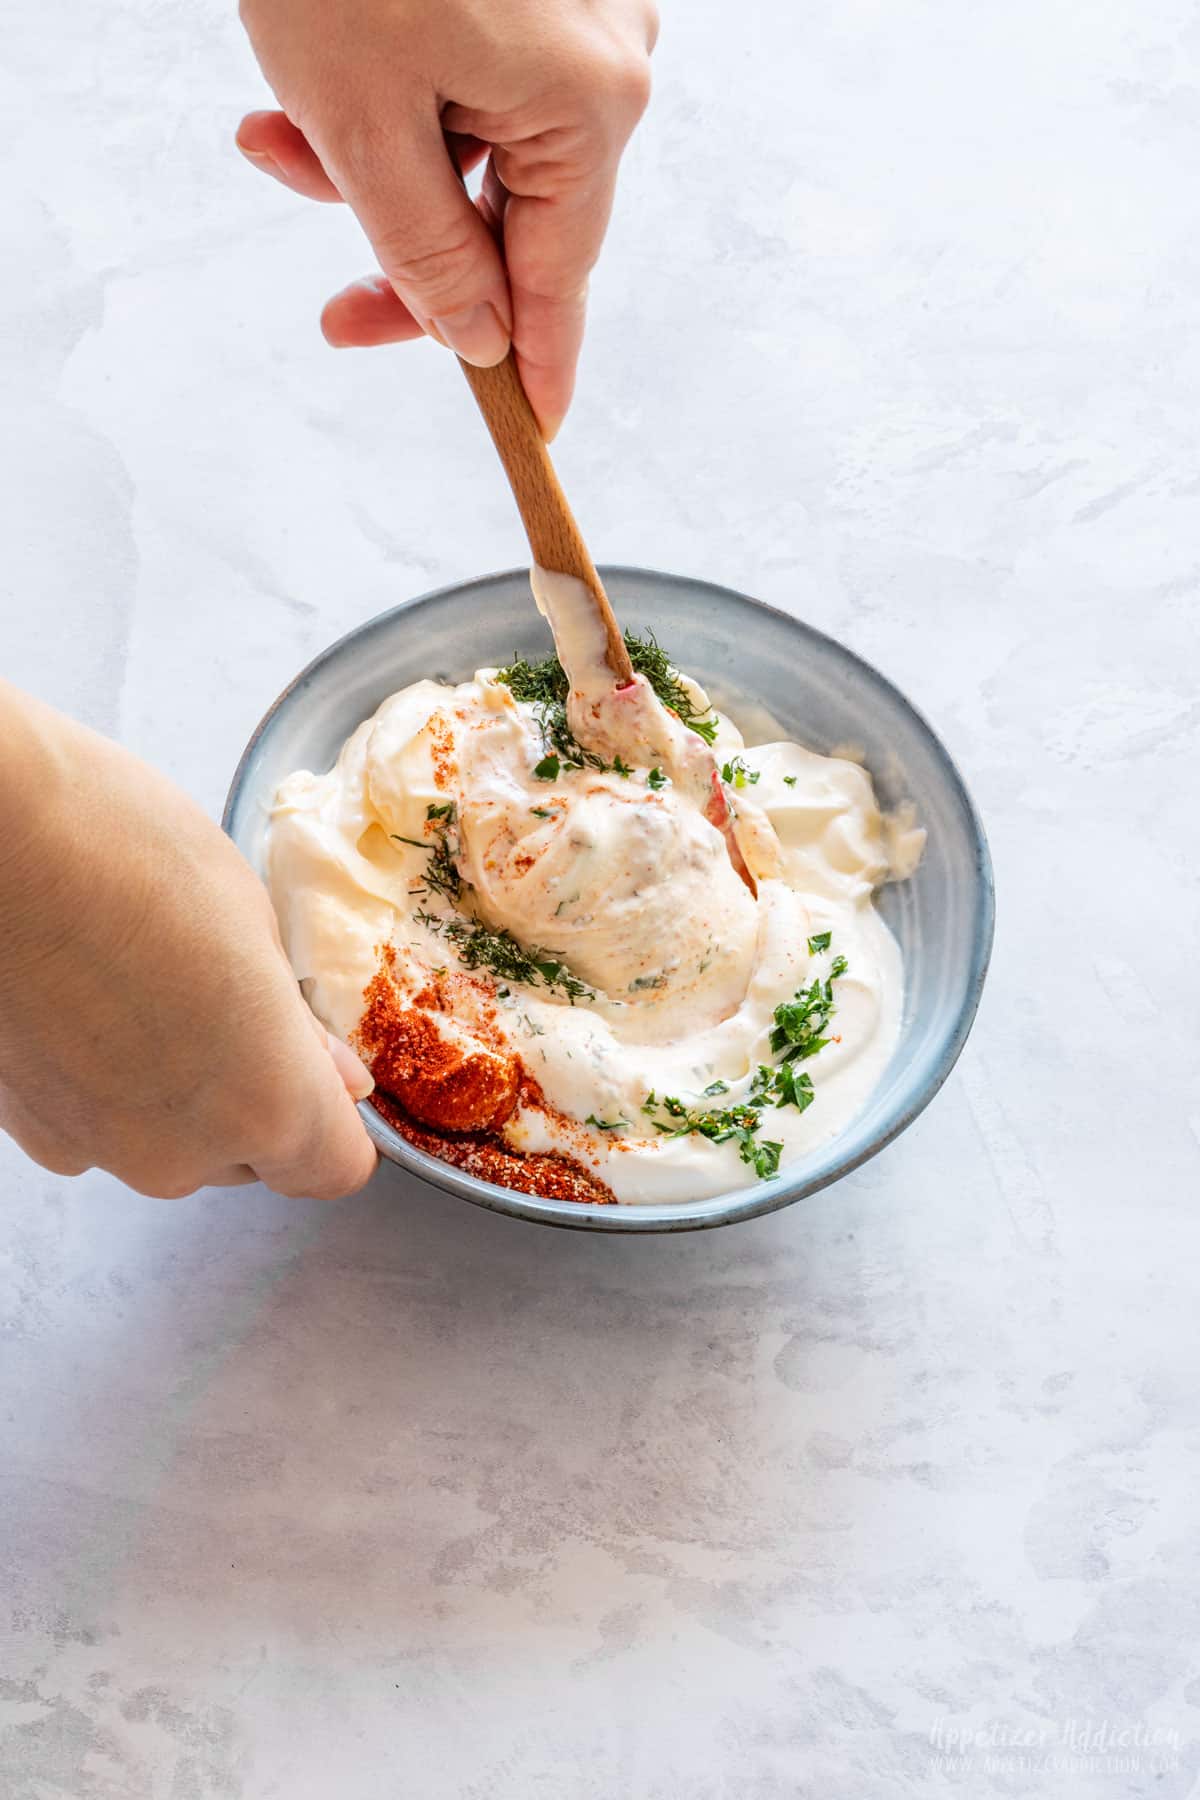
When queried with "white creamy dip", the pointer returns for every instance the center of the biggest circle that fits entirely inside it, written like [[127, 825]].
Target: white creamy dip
[[620, 877]]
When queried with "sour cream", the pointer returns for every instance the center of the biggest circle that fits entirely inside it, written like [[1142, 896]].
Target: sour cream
[[681, 905]]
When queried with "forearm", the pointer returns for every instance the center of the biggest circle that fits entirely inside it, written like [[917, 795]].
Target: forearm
[[33, 778]]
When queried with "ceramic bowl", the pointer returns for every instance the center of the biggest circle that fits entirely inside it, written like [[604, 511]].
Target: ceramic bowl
[[822, 695]]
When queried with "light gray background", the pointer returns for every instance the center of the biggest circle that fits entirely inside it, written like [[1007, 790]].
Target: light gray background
[[899, 326]]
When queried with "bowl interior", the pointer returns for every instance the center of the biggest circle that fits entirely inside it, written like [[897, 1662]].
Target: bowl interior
[[750, 657]]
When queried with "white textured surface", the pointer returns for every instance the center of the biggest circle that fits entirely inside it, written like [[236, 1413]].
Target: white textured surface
[[899, 325]]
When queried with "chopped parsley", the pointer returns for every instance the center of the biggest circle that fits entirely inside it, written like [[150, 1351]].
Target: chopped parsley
[[548, 768], [736, 1124], [819, 941], [656, 779], [789, 781], [802, 1023], [541, 812], [781, 1086], [798, 1032], [619, 767], [605, 1124], [738, 773], [765, 1158]]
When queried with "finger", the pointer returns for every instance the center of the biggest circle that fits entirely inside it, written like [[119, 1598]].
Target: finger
[[358, 1079], [551, 244], [466, 149], [368, 312], [431, 243], [236, 1175], [273, 144], [325, 1153], [555, 217], [40, 1137]]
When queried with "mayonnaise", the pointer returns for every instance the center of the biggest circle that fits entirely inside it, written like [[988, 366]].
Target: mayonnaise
[[681, 905]]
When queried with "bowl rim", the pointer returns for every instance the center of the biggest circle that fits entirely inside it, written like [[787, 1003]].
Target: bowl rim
[[740, 1203]]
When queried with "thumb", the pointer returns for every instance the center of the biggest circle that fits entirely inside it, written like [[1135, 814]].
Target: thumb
[[431, 243]]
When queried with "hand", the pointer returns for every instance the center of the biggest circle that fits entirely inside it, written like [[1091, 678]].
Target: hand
[[378, 95], [149, 1022]]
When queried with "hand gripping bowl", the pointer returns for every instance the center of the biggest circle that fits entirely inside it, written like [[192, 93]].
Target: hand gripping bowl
[[744, 653]]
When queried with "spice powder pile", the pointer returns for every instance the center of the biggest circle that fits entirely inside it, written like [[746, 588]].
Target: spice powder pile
[[449, 1098]]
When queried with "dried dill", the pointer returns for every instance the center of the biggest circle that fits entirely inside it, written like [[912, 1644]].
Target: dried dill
[[479, 947], [441, 871], [544, 686]]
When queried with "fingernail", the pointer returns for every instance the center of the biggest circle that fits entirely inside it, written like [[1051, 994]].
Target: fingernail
[[260, 159], [353, 1070], [477, 334]]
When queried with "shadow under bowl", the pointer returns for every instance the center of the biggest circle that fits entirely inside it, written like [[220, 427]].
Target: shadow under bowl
[[821, 694]]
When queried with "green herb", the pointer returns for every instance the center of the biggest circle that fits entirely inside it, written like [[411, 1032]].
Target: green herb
[[819, 941], [799, 1024], [656, 779], [781, 1086], [547, 769], [441, 871], [739, 1124], [802, 1022], [545, 686], [789, 781], [536, 684], [651, 660], [647, 981], [479, 947], [619, 767], [541, 812], [737, 772], [765, 1158], [605, 1124]]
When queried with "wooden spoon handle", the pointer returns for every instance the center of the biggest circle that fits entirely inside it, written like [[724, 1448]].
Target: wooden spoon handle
[[554, 537]]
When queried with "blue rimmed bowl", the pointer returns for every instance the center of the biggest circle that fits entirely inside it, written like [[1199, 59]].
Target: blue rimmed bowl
[[821, 694]]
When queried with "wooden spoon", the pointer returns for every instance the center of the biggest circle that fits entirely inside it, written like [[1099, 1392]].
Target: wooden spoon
[[556, 540], [554, 537]]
